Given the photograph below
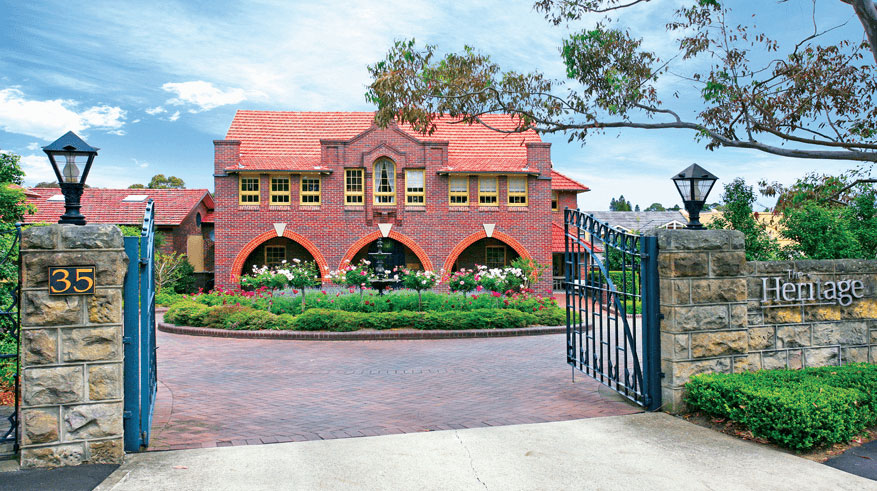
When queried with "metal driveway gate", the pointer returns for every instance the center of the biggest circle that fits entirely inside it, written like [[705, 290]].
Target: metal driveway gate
[[10, 319], [611, 288], [141, 381]]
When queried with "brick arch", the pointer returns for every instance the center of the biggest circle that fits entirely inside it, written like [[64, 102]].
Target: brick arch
[[404, 239], [238, 264], [460, 247]]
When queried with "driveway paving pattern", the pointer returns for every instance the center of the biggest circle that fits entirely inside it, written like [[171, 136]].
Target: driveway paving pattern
[[216, 392]]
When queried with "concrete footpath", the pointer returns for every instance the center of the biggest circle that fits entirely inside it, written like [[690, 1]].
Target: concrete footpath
[[641, 451]]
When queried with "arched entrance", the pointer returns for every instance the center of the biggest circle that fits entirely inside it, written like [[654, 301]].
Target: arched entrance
[[404, 251], [269, 249], [478, 249]]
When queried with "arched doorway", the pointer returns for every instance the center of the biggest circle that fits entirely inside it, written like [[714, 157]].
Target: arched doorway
[[479, 249], [273, 252], [488, 251], [249, 255], [406, 252]]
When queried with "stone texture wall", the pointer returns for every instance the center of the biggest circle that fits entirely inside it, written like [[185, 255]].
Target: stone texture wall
[[714, 319], [71, 349], [812, 335], [703, 302]]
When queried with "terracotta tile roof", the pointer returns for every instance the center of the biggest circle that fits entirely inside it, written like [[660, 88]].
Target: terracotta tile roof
[[560, 182], [275, 140], [208, 218], [557, 242], [106, 205], [27, 192]]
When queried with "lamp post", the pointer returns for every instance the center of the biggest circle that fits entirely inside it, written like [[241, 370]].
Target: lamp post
[[78, 157], [694, 185]]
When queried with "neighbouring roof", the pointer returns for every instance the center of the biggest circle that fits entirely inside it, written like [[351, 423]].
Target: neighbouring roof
[[560, 182], [640, 221], [27, 192], [208, 218], [558, 244], [110, 205], [290, 141]]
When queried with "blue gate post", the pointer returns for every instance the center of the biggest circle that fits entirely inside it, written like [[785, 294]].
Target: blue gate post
[[652, 326], [148, 375], [131, 342]]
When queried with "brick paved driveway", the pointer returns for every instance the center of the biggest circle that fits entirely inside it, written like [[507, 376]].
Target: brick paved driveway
[[218, 392]]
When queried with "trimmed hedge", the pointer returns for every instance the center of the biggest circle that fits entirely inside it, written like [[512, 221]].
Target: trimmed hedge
[[241, 317], [798, 409]]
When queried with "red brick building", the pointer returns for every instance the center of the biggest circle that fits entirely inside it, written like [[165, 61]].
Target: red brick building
[[326, 186], [184, 216]]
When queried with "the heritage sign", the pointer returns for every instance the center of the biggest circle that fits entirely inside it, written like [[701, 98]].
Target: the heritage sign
[[71, 280], [795, 289]]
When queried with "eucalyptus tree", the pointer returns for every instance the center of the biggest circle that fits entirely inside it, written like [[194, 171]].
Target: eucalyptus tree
[[811, 98]]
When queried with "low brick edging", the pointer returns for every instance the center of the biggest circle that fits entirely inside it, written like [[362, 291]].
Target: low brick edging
[[361, 335]]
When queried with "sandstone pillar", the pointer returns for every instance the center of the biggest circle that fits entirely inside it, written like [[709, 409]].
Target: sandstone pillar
[[703, 303], [71, 349]]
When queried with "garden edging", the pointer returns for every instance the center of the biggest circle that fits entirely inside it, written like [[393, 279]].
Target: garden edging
[[361, 335]]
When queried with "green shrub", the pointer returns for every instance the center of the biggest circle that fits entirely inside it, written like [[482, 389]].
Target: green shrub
[[313, 320], [185, 280], [800, 409], [187, 313], [250, 319], [218, 317], [166, 298]]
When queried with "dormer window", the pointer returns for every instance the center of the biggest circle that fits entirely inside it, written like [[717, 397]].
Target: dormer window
[[385, 182]]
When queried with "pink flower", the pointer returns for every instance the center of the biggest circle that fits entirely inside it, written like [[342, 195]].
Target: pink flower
[[295, 292], [479, 288], [351, 290], [496, 294]]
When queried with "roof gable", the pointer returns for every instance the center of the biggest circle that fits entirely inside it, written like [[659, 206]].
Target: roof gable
[[277, 140]]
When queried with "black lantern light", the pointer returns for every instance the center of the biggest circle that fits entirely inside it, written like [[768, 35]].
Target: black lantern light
[[694, 185], [71, 173]]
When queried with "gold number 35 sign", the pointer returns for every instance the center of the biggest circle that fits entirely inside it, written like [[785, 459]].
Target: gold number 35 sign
[[71, 280]]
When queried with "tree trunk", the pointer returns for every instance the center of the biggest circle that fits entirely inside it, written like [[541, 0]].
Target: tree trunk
[[302, 300], [419, 302], [866, 11]]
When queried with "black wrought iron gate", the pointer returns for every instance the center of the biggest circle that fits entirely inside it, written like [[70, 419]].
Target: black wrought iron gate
[[10, 281], [611, 288]]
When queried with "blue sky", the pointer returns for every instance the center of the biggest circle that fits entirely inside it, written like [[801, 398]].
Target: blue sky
[[153, 83]]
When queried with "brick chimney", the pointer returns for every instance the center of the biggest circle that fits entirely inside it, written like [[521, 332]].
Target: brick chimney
[[226, 153]]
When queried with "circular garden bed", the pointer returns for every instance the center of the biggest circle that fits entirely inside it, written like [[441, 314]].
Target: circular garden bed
[[396, 315]]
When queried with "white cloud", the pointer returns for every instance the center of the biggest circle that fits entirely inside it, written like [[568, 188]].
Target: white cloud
[[173, 117], [33, 146], [37, 169], [152, 111], [117, 132], [202, 94], [49, 119], [140, 164]]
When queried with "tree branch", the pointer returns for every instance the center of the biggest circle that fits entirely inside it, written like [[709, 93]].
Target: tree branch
[[866, 11]]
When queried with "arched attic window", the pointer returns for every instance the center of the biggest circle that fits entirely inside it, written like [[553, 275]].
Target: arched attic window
[[385, 182]]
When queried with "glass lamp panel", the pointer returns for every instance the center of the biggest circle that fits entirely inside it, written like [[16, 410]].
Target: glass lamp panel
[[72, 166], [684, 187], [702, 188]]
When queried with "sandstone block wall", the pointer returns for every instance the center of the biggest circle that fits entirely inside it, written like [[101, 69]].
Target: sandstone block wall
[[716, 317], [71, 349], [703, 303]]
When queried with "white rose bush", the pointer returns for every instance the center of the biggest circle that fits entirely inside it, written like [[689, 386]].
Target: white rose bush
[[418, 281]]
